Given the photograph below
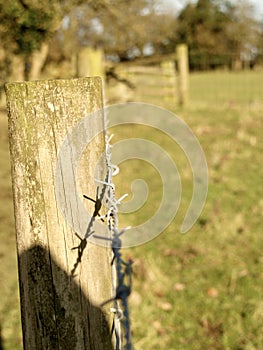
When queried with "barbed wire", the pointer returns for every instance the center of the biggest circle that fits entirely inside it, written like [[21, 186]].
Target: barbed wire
[[123, 270]]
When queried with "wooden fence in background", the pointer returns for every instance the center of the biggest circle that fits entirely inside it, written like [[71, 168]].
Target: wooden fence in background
[[151, 84], [160, 80]]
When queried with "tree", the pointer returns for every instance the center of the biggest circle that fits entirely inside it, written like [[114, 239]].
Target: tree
[[125, 30], [259, 56], [242, 31], [218, 32], [201, 26], [27, 25]]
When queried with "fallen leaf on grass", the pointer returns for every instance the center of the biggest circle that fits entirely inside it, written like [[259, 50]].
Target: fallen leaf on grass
[[135, 298], [170, 252], [165, 306], [212, 292], [158, 327], [179, 286], [159, 293]]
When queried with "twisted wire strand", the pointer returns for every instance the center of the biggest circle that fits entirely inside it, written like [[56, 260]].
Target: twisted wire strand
[[121, 270]]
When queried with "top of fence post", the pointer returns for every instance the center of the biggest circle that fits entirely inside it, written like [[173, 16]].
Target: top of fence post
[[90, 62], [59, 310]]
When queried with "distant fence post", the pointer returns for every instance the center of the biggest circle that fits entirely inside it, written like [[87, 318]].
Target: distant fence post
[[169, 78], [183, 73], [90, 63], [59, 311]]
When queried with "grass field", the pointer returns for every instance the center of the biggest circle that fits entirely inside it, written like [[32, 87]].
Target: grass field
[[202, 290]]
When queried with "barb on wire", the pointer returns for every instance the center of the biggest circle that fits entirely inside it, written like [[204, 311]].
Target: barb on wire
[[83, 241], [81, 247], [98, 204]]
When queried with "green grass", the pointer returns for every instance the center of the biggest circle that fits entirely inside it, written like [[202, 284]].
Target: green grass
[[202, 290], [9, 302], [226, 90]]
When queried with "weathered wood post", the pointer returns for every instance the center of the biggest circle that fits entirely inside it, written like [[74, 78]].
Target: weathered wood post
[[59, 310], [169, 81], [90, 63], [183, 73]]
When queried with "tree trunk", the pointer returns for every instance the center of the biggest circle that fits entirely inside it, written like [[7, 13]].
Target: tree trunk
[[17, 68], [37, 61]]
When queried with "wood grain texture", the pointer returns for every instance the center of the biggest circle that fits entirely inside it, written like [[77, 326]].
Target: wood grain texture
[[58, 311]]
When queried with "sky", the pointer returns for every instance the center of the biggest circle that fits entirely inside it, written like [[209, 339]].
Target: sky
[[181, 3], [259, 6]]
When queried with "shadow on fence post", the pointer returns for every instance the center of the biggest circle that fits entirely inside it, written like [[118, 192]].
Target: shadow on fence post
[[58, 311], [56, 320]]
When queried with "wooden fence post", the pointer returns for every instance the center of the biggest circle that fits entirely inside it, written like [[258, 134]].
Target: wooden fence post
[[59, 311], [169, 78], [90, 63], [183, 73]]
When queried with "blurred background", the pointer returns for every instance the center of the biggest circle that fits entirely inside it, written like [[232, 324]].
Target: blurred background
[[122, 39], [202, 290]]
